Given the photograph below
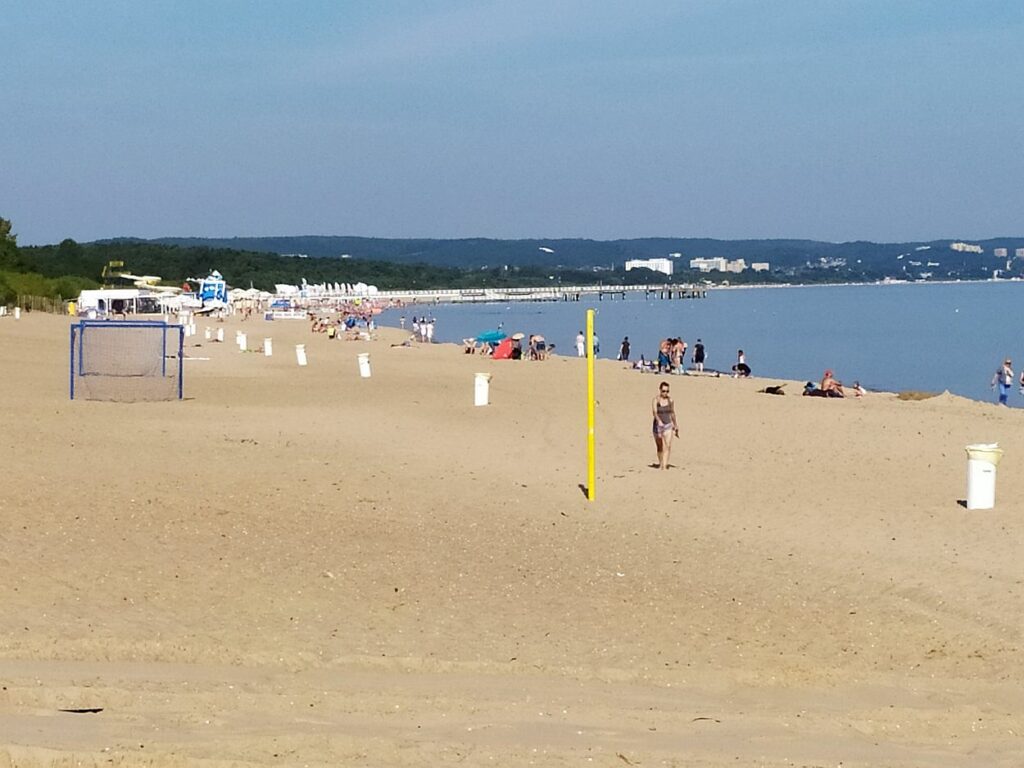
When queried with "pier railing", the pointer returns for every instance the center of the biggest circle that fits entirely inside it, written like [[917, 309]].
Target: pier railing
[[545, 293]]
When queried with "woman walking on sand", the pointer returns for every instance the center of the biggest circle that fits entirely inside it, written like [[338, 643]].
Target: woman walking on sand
[[665, 426]]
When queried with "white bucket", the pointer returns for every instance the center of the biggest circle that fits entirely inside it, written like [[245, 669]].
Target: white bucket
[[17, 313], [982, 459], [243, 342], [364, 364], [220, 334], [268, 347], [208, 333], [300, 354], [192, 327], [481, 389]]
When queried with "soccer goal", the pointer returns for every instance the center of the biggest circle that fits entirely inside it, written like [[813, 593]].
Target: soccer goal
[[126, 361]]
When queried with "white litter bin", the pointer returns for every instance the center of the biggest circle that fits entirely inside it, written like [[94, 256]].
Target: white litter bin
[[300, 354], [17, 313], [243, 342], [268, 347], [982, 459], [220, 334], [208, 333], [481, 389], [364, 364]]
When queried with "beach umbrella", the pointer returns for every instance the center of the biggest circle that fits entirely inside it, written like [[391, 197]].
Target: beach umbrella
[[489, 337], [519, 336]]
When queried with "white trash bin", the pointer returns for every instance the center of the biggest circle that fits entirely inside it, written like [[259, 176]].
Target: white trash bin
[[243, 342], [481, 388], [220, 334], [17, 313], [982, 459], [268, 347], [364, 364], [300, 354], [208, 334]]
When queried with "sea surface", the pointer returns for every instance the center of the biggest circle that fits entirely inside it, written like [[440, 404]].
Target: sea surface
[[907, 336]]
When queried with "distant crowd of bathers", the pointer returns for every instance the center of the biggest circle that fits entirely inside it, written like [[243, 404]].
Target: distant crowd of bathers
[[671, 359]]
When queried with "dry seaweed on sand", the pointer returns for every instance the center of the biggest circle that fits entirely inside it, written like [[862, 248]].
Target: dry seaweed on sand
[[915, 394]]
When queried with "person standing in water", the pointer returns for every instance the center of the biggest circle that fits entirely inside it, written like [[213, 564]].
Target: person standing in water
[[665, 425]]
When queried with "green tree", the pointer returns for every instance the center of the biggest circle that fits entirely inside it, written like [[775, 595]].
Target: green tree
[[8, 245]]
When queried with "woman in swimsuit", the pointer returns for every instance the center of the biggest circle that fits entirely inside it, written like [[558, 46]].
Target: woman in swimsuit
[[665, 426]]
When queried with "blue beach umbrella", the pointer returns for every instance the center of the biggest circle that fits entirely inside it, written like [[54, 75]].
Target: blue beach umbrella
[[490, 337]]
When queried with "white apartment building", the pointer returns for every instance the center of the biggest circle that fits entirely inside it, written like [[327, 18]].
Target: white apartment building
[[721, 264], [717, 264], [657, 265]]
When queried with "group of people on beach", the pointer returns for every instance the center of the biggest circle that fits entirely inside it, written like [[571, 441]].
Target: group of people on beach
[[422, 328], [510, 347], [830, 386], [335, 327], [671, 358]]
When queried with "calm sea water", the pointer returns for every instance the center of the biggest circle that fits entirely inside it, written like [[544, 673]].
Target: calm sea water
[[890, 337]]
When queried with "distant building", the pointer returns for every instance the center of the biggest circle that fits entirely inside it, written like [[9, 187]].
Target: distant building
[[1019, 253], [999, 253], [966, 248], [720, 264], [655, 265], [760, 266], [707, 265]]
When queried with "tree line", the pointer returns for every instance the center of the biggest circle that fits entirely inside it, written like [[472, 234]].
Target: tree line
[[65, 269]]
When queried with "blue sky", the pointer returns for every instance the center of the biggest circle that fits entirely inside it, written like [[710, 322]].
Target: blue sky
[[827, 119]]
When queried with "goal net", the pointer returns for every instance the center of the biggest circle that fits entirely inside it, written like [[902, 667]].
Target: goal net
[[126, 361]]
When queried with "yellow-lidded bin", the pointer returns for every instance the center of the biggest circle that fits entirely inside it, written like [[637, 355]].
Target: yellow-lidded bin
[[982, 459]]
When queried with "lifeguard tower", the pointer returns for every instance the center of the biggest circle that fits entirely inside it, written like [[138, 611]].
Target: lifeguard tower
[[213, 290]]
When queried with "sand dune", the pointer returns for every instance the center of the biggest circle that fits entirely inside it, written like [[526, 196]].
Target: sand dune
[[297, 566]]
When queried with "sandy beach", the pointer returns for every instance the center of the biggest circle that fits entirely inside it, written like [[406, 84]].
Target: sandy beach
[[300, 567]]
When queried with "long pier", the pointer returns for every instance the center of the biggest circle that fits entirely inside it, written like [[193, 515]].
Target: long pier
[[545, 293]]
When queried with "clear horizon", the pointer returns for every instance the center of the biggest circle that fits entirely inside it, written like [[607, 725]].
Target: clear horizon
[[453, 119]]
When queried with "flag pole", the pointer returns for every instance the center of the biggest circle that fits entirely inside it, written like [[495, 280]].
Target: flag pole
[[590, 405]]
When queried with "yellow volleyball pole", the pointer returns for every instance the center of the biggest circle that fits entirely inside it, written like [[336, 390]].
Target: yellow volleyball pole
[[590, 404]]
